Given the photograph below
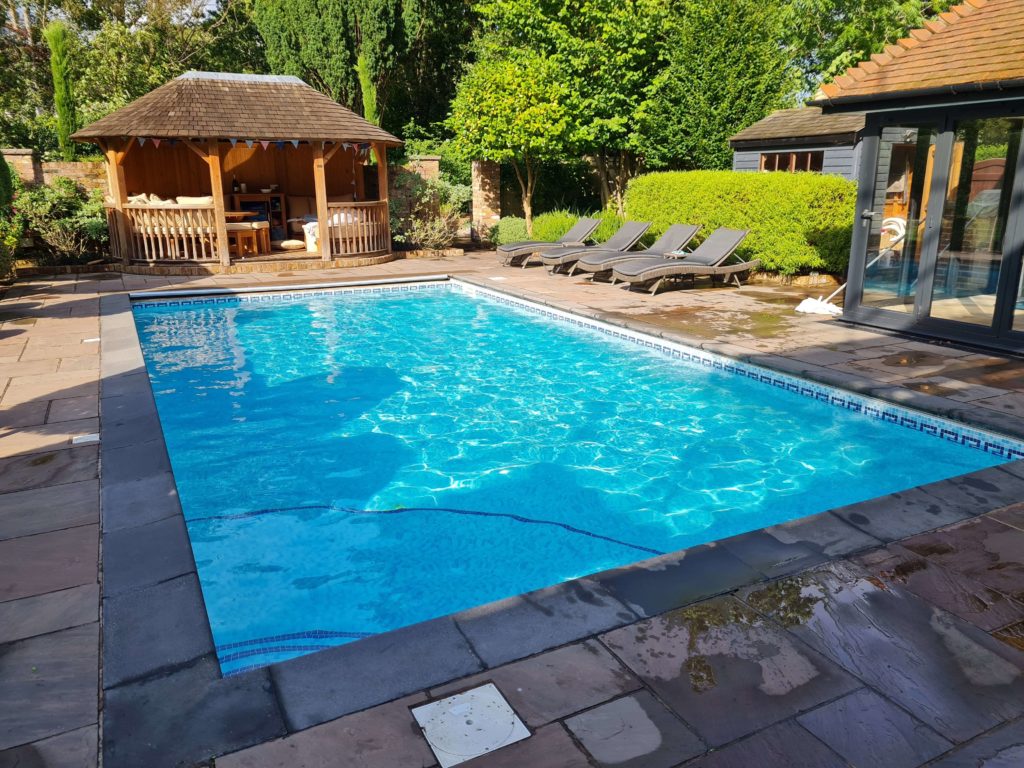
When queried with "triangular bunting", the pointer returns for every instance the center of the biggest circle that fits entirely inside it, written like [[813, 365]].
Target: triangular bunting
[[279, 144], [264, 144], [295, 143], [156, 143], [233, 142], [249, 143], [141, 141]]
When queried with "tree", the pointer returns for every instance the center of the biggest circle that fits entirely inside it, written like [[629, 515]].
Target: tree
[[513, 108], [827, 36], [56, 34], [726, 70], [367, 90], [610, 51]]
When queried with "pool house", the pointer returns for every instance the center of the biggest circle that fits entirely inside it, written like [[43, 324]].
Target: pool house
[[216, 168], [939, 236]]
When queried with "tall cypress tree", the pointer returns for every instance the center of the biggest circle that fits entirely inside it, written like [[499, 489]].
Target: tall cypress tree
[[56, 36]]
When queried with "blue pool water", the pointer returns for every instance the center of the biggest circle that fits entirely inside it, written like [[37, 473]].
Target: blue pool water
[[353, 463]]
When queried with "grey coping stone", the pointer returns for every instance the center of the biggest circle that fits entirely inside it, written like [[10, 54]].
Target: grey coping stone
[[523, 625], [383, 736], [961, 595], [898, 515], [146, 554], [187, 717], [152, 629], [797, 545], [49, 508], [726, 670], [555, 684], [867, 730], [550, 747], [135, 462], [328, 684], [680, 578], [138, 502], [952, 676], [122, 384], [74, 749], [129, 420], [979, 492], [999, 748], [635, 732], [785, 745], [1015, 468], [50, 612], [47, 562], [48, 685], [67, 465]]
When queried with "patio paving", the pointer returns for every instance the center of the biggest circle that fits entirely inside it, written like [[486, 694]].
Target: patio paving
[[870, 645]]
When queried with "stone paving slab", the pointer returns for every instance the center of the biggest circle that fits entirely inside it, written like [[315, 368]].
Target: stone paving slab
[[725, 670], [550, 747], [145, 555], [47, 562], [74, 749], [948, 674], [786, 745], [49, 508], [51, 468], [555, 684], [634, 732], [50, 612], [867, 730], [382, 737], [999, 748], [48, 684]]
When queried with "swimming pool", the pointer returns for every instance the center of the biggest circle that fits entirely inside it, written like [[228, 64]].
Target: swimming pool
[[357, 460]]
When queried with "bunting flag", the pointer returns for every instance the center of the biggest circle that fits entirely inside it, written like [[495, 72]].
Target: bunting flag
[[141, 140], [264, 144], [364, 146], [279, 144], [249, 143], [233, 142], [156, 143], [346, 146], [172, 142], [295, 143]]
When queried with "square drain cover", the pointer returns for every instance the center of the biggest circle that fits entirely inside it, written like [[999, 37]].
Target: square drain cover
[[469, 724]]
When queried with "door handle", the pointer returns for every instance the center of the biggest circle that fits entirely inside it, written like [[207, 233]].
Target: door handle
[[868, 214]]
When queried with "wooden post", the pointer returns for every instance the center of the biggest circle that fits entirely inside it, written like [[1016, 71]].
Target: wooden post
[[380, 151], [217, 190], [120, 240], [320, 187]]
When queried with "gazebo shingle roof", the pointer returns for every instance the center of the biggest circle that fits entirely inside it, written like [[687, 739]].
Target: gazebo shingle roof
[[217, 105], [801, 123], [977, 46]]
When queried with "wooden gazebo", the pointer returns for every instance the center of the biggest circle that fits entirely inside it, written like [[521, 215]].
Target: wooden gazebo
[[198, 163]]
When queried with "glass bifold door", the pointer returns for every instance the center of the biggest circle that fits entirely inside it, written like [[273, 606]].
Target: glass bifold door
[[940, 241]]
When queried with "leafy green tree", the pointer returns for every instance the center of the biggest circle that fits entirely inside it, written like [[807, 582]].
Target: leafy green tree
[[512, 108], [726, 69], [610, 51], [367, 89], [56, 34], [827, 36]]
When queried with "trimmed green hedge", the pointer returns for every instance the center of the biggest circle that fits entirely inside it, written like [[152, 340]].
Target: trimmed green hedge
[[797, 221], [550, 226]]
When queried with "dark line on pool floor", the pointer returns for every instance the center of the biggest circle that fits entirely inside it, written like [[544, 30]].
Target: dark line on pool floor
[[467, 512]]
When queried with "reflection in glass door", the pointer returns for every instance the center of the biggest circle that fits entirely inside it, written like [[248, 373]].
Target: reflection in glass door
[[974, 219], [906, 158]]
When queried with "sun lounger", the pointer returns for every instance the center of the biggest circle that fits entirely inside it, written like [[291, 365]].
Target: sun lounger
[[624, 238], [707, 260], [672, 241], [511, 254]]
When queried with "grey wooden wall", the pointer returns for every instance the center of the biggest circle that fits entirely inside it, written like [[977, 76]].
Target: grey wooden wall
[[839, 160]]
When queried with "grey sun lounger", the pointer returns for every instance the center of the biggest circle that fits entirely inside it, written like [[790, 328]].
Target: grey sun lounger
[[624, 238], [707, 260], [511, 254], [673, 239]]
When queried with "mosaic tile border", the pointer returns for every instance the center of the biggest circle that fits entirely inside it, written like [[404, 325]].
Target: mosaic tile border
[[989, 442]]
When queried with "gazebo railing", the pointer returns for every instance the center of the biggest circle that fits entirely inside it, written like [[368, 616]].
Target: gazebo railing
[[356, 229], [168, 232]]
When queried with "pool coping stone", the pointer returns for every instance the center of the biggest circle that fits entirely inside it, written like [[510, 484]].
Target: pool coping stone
[[322, 686]]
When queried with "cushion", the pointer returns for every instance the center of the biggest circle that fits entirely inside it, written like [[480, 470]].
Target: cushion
[[201, 200], [157, 200], [138, 199], [259, 224], [237, 226], [292, 245]]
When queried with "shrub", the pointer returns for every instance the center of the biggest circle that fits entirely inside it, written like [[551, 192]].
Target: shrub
[[551, 226], [797, 221], [509, 229], [427, 213], [12, 222], [69, 223]]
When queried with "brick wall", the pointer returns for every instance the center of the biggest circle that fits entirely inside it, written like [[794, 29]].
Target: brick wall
[[486, 197], [25, 162], [427, 166]]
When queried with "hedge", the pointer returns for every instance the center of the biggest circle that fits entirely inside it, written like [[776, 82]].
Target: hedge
[[550, 226], [797, 221]]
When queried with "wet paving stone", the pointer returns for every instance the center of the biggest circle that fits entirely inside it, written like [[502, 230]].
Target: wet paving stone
[[726, 670], [867, 730], [898, 515], [68, 465], [1012, 635], [1000, 748], [75, 749], [549, 747], [947, 673], [553, 685], [634, 732], [785, 745], [988, 551], [381, 737], [954, 592]]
